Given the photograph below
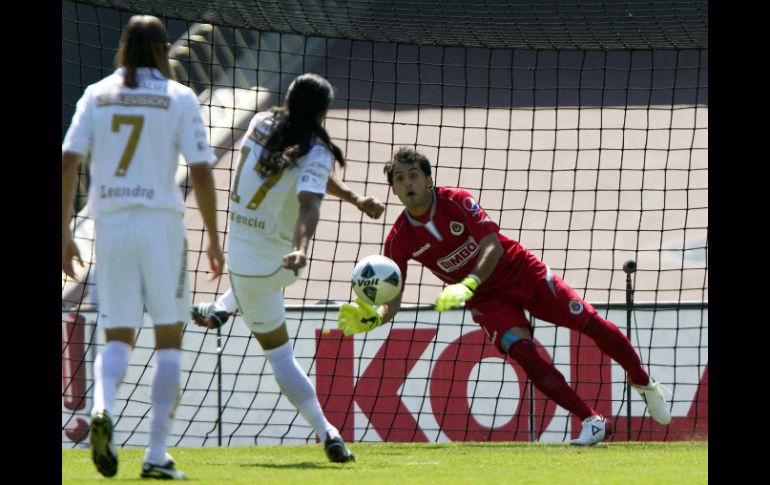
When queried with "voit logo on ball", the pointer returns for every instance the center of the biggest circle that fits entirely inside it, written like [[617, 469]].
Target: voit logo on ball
[[368, 282], [376, 279]]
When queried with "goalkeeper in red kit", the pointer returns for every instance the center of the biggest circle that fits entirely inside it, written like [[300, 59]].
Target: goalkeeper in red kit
[[496, 278]]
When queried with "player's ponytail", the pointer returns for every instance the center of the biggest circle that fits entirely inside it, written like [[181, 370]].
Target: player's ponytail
[[297, 123], [321, 133]]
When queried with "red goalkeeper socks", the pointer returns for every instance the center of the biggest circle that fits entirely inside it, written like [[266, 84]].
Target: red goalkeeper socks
[[547, 379], [614, 343]]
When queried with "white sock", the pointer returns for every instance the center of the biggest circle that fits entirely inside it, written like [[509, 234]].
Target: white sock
[[109, 368], [297, 387], [227, 301], [165, 383]]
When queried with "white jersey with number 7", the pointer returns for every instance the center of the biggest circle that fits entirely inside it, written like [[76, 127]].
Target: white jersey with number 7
[[134, 137]]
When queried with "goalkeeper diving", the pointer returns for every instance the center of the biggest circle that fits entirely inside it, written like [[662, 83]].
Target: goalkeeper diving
[[496, 278]]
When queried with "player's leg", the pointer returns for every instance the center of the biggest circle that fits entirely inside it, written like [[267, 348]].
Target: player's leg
[[215, 314], [109, 368], [261, 301], [556, 302], [120, 313], [552, 383], [297, 387], [613, 342], [544, 375], [506, 323], [166, 377], [167, 297], [226, 302]]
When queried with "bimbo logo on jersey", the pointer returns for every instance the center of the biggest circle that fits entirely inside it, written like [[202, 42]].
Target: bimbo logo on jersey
[[460, 256]]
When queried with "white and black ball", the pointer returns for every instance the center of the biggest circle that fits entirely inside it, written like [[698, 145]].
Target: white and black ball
[[377, 279]]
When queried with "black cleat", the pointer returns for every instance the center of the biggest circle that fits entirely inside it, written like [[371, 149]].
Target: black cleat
[[336, 450], [166, 471], [103, 451], [207, 315]]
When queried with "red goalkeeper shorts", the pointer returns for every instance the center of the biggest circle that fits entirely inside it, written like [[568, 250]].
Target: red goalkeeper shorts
[[546, 296]]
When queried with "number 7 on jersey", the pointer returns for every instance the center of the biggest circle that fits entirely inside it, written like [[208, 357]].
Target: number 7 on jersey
[[136, 123]]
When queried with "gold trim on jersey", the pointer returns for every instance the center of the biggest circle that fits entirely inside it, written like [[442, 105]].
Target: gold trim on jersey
[[266, 185], [106, 192], [258, 137], [182, 273], [247, 221], [123, 99]]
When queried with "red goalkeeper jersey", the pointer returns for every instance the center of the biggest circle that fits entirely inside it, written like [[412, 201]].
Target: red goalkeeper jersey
[[446, 240]]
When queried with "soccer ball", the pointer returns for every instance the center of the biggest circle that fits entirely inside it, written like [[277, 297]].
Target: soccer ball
[[376, 279]]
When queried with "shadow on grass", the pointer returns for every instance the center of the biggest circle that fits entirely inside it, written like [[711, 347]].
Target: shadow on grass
[[289, 466]]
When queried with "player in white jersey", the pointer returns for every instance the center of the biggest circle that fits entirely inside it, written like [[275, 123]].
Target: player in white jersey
[[213, 315], [134, 124], [285, 168]]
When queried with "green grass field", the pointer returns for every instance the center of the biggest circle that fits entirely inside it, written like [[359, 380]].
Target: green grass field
[[406, 463]]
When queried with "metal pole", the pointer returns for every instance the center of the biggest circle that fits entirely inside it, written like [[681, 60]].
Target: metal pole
[[219, 387], [531, 386], [629, 267]]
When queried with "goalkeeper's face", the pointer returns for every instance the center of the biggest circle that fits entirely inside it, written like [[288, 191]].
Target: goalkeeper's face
[[412, 187]]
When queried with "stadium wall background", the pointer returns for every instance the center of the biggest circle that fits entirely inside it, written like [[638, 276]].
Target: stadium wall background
[[410, 383]]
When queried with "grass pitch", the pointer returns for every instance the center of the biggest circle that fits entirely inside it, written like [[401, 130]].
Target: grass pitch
[[681, 463]]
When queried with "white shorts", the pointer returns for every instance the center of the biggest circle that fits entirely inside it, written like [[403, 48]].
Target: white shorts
[[260, 298], [141, 262]]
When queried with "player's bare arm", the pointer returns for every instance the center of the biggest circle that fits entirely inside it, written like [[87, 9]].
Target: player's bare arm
[[453, 296], [309, 212], [203, 183], [490, 252], [389, 310], [70, 161], [369, 205]]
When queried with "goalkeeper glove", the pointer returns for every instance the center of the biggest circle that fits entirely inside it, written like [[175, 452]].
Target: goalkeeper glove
[[453, 296], [358, 317]]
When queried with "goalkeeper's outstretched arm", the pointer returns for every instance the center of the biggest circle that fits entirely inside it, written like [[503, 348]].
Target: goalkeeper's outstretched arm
[[389, 310], [489, 254], [454, 296]]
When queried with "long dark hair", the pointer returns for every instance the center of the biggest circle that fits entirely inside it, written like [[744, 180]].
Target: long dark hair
[[143, 43], [297, 121]]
